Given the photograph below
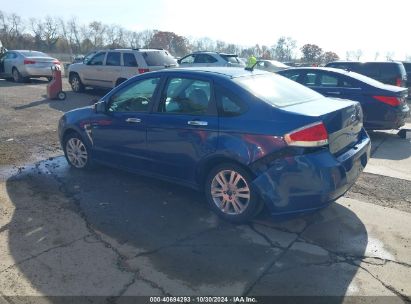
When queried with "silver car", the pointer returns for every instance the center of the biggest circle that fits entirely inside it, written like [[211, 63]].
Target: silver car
[[270, 65], [210, 59], [21, 65], [109, 68]]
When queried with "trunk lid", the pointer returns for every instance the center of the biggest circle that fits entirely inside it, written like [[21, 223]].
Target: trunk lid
[[343, 120]]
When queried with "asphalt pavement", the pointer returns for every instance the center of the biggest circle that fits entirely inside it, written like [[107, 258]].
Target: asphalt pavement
[[112, 234]]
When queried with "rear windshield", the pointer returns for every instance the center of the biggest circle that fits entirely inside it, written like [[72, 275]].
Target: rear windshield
[[160, 58], [230, 58], [277, 90], [34, 54]]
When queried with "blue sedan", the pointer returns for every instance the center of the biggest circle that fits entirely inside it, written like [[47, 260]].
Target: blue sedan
[[385, 106], [245, 138]]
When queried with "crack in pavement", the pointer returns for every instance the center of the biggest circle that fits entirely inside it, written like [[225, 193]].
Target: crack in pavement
[[352, 260], [175, 243], [265, 271], [387, 286], [120, 257], [4, 227], [43, 252]]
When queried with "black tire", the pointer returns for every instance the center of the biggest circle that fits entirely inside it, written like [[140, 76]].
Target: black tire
[[61, 95], [76, 84], [69, 143], [17, 76], [226, 202]]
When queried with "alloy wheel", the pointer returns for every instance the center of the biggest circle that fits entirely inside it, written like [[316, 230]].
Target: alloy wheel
[[76, 152], [230, 192]]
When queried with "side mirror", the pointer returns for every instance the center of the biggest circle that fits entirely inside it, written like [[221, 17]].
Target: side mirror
[[100, 107], [179, 61]]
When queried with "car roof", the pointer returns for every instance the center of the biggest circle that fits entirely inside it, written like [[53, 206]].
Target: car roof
[[229, 72], [351, 74], [365, 62]]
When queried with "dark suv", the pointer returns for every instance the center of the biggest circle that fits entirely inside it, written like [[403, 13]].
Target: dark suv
[[388, 72], [407, 66]]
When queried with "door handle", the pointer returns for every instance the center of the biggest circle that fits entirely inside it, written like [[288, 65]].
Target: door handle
[[334, 93], [133, 120], [197, 123]]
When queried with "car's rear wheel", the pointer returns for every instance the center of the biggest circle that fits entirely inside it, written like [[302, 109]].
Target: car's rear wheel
[[230, 193], [17, 76], [76, 84], [76, 151]]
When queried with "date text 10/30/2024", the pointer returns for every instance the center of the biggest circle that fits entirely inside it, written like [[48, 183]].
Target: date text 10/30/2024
[[203, 300]]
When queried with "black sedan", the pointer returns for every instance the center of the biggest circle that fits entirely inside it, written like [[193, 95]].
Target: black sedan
[[384, 106]]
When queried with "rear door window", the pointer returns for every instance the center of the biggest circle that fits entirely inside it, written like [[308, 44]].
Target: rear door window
[[113, 59], [158, 58], [186, 96], [327, 80], [129, 60], [204, 58]]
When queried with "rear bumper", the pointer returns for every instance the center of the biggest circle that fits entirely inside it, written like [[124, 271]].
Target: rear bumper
[[307, 182], [394, 118], [37, 71]]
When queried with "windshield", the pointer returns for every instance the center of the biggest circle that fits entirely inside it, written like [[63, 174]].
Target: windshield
[[277, 90], [34, 54], [160, 58]]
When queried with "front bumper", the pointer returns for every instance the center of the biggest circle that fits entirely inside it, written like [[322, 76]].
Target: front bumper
[[310, 181]]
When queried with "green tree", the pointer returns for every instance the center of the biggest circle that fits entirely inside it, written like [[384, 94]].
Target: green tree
[[311, 53]]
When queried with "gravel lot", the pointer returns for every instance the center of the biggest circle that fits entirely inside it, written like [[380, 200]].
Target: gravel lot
[[111, 234]]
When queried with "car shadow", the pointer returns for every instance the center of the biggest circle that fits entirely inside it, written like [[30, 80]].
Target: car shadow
[[102, 231], [32, 81], [388, 145], [73, 100]]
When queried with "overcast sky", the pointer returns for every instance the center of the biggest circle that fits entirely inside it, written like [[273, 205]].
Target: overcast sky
[[340, 25]]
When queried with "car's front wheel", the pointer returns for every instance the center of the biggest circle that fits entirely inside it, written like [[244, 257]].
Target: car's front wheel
[[230, 193], [76, 151], [76, 84]]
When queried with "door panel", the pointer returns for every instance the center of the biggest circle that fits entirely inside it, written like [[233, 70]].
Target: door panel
[[120, 136], [184, 130]]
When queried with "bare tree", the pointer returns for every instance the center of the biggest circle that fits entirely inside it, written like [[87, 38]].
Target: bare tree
[[377, 54], [358, 54], [284, 49], [389, 56], [96, 31]]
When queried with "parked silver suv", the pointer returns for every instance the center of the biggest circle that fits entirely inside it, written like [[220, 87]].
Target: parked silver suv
[[201, 59], [109, 68]]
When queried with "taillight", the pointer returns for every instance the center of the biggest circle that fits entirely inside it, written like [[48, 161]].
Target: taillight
[[312, 135], [392, 101], [398, 82], [27, 61], [141, 71]]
